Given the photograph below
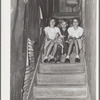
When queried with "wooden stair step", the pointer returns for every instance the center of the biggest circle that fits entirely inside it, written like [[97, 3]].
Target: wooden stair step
[[73, 56], [61, 79], [61, 99], [60, 92], [62, 68]]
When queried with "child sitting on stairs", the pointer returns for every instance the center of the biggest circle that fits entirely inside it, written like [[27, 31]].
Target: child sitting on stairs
[[75, 34], [63, 28], [53, 38]]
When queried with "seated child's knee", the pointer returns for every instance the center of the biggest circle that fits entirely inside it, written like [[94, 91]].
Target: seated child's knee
[[76, 41], [56, 45], [52, 43], [71, 41]]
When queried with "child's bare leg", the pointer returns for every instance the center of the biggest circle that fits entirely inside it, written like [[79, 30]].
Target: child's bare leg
[[76, 46], [69, 51], [49, 49], [70, 46], [54, 50], [53, 53], [48, 52], [77, 51]]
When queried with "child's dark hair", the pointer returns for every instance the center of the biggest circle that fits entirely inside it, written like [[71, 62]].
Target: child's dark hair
[[78, 19], [51, 19], [65, 20]]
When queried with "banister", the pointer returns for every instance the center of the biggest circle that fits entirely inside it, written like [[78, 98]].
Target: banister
[[30, 69], [33, 82]]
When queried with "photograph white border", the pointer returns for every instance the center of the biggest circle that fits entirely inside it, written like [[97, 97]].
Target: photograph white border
[[97, 51], [5, 49]]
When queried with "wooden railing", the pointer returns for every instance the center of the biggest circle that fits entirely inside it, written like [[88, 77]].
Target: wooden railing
[[31, 71], [33, 83], [30, 67]]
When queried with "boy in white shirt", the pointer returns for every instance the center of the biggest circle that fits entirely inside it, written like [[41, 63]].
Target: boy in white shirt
[[75, 33]]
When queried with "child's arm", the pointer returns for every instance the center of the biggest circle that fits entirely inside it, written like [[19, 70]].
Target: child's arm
[[80, 34], [79, 37], [59, 32], [70, 36], [46, 33], [47, 36]]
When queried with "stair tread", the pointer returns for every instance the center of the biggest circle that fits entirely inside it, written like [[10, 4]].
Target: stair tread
[[61, 79], [62, 64], [61, 68], [61, 98], [60, 92], [60, 86]]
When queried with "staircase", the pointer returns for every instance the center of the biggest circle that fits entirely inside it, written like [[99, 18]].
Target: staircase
[[61, 82]]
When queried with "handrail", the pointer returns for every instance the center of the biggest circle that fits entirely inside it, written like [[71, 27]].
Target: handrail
[[34, 76], [29, 69]]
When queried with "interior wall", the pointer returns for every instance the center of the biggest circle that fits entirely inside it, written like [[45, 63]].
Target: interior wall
[[90, 36], [50, 8], [17, 56], [18, 23], [43, 5]]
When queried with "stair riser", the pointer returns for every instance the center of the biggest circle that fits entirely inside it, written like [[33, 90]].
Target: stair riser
[[62, 69], [62, 99], [60, 92], [61, 79]]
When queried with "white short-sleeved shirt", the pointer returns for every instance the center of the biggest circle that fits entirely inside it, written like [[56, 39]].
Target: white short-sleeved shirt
[[75, 33], [52, 32]]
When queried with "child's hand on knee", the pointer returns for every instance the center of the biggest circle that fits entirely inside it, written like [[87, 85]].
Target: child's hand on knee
[[70, 37], [62, 36]]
